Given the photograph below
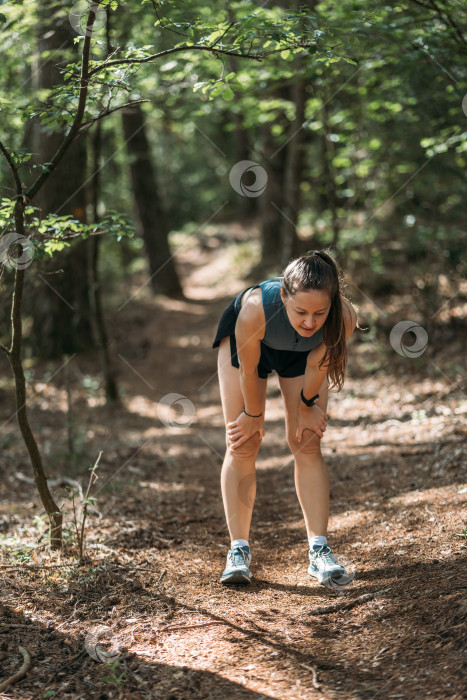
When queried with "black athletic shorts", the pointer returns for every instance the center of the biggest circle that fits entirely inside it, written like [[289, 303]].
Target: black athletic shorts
[[287, 363]]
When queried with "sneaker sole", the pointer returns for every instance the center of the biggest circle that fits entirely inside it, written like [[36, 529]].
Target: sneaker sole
[[236, 577]]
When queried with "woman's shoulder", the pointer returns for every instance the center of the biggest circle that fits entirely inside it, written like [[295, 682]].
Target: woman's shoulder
[[255, 300]]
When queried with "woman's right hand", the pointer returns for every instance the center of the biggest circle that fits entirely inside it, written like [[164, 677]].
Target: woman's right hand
[[243, 428]]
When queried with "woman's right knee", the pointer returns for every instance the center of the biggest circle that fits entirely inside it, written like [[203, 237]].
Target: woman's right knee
[[249, 448]]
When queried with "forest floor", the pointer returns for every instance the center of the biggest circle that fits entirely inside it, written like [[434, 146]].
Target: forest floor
[[144, 615]]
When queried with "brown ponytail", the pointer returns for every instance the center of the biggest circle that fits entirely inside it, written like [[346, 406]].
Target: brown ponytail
[[318, 270]]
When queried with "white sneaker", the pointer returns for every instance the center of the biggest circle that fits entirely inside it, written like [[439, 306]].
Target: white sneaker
[[237, 569]]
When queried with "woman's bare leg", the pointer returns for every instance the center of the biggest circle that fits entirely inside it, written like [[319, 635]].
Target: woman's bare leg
[[238, 477], [311, 474]]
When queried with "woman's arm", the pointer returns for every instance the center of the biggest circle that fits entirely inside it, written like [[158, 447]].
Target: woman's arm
[[314, 417], [249, 331]]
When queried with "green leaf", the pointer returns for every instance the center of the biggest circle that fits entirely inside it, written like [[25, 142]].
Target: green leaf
[[217, 90], [228, 93]]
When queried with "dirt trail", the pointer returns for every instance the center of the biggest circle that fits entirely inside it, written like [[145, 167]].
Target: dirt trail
[[395, 447]]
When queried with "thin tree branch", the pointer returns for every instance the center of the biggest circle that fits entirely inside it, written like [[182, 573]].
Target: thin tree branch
[[13, 168], [445, 18], [421, 4], [92, 479], [171, 628], [83, 93], [346, 604], [110, 111], [223, 35], [19, 674], [177, 49], [34, 567], [314, 672], [154, 4]]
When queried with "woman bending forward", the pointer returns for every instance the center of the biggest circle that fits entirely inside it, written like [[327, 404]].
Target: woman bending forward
[[297, 325]]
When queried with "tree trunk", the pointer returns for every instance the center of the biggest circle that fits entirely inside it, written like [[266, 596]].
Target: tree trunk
[[95, 297], [14, 355], [272, 201], [292, 246], [327, 153], [59, 303], [150, 217]]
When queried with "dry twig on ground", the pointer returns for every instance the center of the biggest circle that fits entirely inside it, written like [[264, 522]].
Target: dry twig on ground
[[346, 604], [19, 674]]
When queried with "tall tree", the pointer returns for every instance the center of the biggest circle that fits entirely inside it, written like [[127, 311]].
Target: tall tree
[[150, 216], [59, 302], [291, 245]]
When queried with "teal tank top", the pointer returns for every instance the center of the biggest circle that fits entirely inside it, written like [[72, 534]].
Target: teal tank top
[[280, 335]]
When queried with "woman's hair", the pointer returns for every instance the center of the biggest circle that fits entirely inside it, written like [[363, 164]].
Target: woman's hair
[[318, 270]]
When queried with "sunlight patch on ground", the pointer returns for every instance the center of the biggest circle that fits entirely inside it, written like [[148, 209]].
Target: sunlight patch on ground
[[445, 494], [352, 518], [141, 405], [212, 414], [183, 306], [275, 462], [186, 341], [164, 486]]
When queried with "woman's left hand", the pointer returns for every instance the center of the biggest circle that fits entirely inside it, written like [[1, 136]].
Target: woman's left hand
[[313, 418]]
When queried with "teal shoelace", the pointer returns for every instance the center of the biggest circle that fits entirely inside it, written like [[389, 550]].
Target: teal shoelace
[[238, 556]]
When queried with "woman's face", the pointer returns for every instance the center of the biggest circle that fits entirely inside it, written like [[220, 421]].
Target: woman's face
[[307, 311]]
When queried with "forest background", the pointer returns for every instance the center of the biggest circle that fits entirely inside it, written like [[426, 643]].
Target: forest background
[[156, 158]]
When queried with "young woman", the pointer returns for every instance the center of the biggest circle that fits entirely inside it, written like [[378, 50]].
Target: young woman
[[297, 325]]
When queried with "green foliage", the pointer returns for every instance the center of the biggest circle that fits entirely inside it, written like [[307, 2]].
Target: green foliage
[[53, 233], [384, 88], [114, 678]]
